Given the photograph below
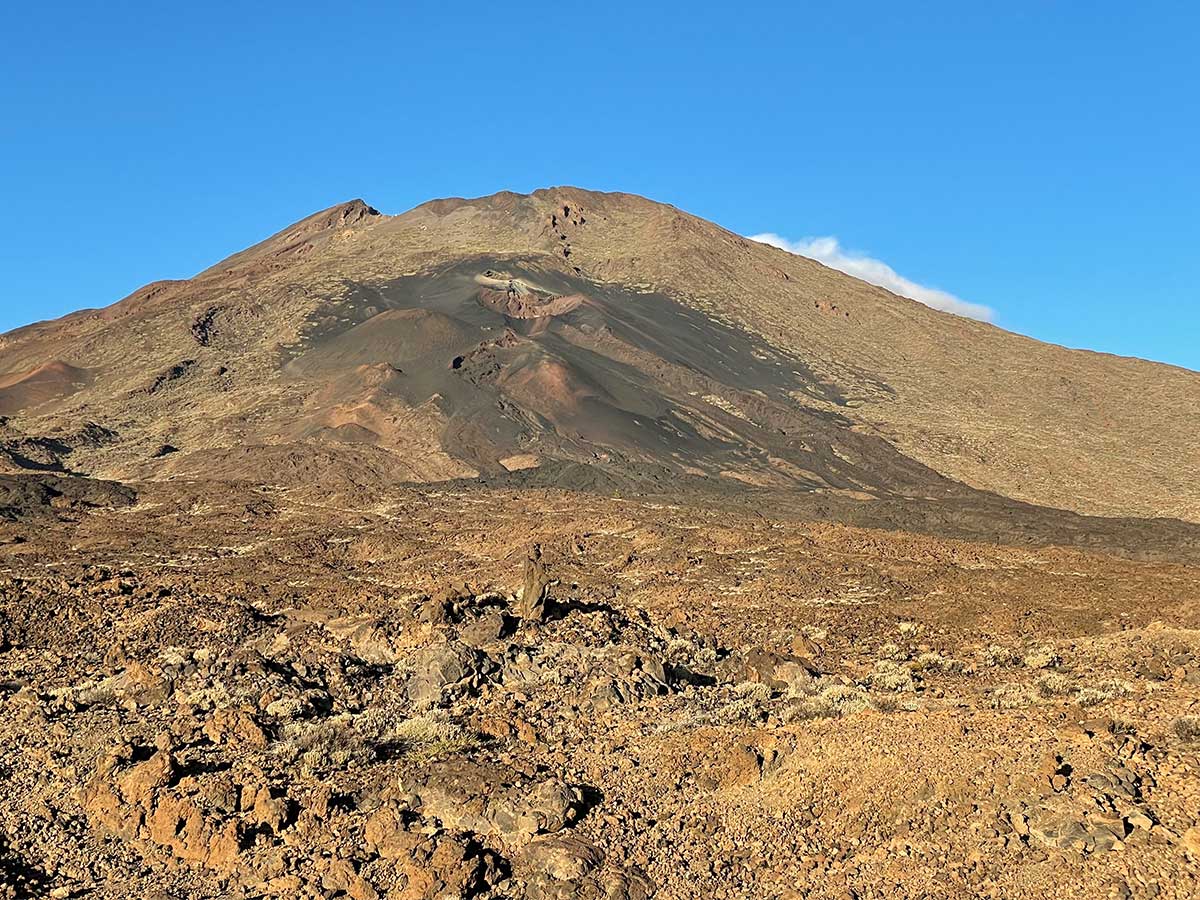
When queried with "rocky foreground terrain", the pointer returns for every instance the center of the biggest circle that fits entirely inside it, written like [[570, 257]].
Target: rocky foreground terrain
[[222, 690]]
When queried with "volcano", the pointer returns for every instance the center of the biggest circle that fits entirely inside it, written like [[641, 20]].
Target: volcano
[[576, 338]]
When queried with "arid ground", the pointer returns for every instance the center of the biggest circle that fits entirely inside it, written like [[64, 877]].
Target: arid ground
[[225, 691], [570, 546]]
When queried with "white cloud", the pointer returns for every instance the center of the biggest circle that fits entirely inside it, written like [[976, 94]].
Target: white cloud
[[827, 250]]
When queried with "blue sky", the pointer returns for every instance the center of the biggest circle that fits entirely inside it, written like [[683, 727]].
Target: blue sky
[[1037, 159]]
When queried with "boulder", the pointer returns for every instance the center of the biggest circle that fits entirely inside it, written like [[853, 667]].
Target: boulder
[[778, 671], [562, 857], [449, 668], [487, 799]]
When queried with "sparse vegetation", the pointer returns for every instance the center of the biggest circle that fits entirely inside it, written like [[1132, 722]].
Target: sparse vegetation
[[1102, 692], [324, 745], [997, 656], [1059, 684], [276, 662], [430, 735], [1042, 657], [837, 700], [1187, 728], [343, 740], [892, 652], [1011, 696], [936, 662], [832, 702], [742, 710], [746, 705], [1054, 684], [754, 691], [890, 676]]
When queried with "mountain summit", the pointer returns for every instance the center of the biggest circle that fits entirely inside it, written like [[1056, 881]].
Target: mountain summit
[[573, 337]]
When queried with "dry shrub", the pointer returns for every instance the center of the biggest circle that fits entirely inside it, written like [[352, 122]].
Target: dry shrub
[[835, 701], [892, 652], [1187, 728], [736, 712], [890, 676], [832, 702], [324, 745], [1042, 657], [434, 734], [753, 690], [344, 740], [1001, 657], [935, 662], [747, 705], [1054, 684], [1102, 692], [1012, 696]]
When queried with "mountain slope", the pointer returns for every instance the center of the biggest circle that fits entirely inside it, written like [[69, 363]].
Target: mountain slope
[[604, 332]]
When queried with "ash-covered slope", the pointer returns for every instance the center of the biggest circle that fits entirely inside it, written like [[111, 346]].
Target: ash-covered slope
[[572, 337]]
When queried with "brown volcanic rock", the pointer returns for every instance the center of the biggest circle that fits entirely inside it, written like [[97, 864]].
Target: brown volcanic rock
[[211, 694], [299, 240], [635, 339], [29, 496]]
